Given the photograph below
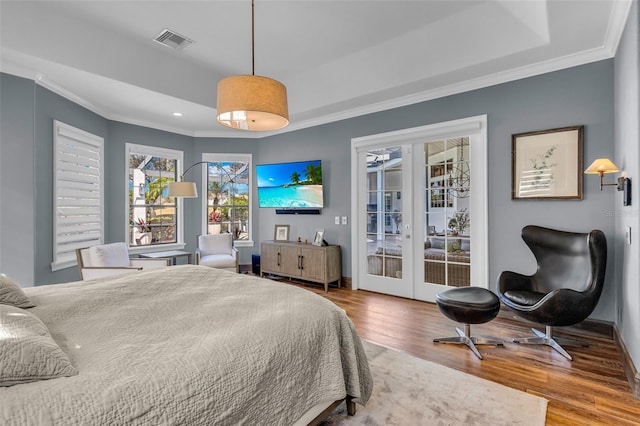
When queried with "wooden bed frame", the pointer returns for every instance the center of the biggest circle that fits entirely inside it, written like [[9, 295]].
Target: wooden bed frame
[[351, 410]]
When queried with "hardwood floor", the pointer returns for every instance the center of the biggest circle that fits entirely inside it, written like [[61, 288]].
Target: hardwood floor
[[590, 390]]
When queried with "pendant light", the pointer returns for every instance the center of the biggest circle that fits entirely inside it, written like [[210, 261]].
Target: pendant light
[[460, 177], [252, 102]]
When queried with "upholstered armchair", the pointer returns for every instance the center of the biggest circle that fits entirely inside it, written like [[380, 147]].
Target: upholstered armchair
[[112, 259], [566, 286], [217, 251]]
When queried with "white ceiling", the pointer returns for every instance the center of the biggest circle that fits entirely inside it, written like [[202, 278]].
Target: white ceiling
[[338, 59]]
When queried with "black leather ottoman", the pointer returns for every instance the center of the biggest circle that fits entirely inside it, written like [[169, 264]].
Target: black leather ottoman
[[468, 305]]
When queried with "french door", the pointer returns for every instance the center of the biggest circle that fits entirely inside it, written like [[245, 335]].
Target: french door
[[420, 214]]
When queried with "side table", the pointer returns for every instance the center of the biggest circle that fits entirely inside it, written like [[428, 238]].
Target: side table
[[170, 254]]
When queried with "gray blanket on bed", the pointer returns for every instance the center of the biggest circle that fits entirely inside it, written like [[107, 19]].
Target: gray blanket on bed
[[189, 345]]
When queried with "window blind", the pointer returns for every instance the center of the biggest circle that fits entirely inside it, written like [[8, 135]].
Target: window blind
[[78, 188]]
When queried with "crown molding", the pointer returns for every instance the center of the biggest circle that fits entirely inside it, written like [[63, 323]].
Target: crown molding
[[617, 23], [150, 124], [43, 81], [544, 67], [605, 52]]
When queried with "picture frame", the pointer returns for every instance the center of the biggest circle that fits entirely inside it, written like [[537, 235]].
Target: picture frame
[[281, 233], [547, 164], [318, 239]]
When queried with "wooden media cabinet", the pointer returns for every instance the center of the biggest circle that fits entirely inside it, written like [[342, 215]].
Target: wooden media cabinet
[[304, 261]]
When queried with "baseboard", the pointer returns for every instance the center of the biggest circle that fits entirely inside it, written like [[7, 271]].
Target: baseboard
[[629, 367], [587, 327]]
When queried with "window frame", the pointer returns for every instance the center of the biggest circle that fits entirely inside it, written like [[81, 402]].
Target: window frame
[[230, 157], [131, 148], [61, 132]]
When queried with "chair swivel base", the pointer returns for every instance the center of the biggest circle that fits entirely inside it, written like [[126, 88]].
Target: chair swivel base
[[465, 338], [548, 339]]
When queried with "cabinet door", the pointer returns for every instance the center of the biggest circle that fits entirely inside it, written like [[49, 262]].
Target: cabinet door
[[270, 258], [290, 261], [313, 264]]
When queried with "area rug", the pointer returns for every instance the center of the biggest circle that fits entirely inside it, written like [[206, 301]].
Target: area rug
[[410, 391]]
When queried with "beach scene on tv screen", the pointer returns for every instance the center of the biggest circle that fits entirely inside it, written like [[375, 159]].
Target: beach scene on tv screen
[[290, 185]]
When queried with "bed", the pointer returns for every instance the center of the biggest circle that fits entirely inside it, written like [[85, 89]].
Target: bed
[[190, 345]]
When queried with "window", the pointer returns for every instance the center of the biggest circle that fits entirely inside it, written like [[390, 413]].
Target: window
[[153, 218], [228, 207], [78, 189]]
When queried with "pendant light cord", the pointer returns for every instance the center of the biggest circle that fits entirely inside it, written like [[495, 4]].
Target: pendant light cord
[[253, 39]]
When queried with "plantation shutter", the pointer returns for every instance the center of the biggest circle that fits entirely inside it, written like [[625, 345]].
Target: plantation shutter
[[78, 188]]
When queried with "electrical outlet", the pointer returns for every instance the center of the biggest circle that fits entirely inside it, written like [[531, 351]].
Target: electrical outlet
[[344, 220], [337, 220]]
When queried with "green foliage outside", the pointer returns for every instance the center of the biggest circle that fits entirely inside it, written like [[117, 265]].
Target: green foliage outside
[[156, 186]]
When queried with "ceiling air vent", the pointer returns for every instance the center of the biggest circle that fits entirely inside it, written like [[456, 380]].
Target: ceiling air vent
[[173, 39]]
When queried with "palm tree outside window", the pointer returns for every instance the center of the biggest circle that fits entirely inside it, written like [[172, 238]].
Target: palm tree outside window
[[228, 198]]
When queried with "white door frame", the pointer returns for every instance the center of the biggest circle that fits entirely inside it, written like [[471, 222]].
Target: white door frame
[[476, 129]]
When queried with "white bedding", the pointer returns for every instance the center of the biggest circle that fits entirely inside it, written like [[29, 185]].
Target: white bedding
[[189, 345]]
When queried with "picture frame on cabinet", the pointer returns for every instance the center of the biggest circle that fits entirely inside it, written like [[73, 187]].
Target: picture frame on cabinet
[[318, 239], [281, 233]]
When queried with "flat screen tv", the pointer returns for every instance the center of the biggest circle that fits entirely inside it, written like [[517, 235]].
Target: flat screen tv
[[290, 185]]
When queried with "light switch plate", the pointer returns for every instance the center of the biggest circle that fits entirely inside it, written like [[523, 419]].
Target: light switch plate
[[627, 235], [344, 220], [337, 220]]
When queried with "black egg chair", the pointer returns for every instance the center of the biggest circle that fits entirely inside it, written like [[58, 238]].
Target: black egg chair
[[566, 287]]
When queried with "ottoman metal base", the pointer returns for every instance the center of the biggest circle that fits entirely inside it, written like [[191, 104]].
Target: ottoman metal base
[[468, 305], [465, 338]]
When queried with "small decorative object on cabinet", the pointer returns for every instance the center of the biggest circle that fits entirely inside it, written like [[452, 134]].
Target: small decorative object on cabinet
[[306, 262]]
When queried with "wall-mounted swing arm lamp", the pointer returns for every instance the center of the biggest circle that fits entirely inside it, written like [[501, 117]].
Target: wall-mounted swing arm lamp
[[183, 189], [603, 165]]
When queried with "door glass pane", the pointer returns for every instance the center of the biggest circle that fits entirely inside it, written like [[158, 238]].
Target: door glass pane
[[447, 229], [384, 212]]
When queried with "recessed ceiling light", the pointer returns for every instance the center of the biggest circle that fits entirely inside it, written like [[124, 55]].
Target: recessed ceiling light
[[177, 114]]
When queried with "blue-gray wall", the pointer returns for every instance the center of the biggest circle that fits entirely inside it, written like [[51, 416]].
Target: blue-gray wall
[[627, 106], [580, 95], [115, 162], [48, 107], [17, 209]]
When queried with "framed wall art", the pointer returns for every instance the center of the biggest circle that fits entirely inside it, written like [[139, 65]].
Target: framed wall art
[[281, 233], [547, 164]]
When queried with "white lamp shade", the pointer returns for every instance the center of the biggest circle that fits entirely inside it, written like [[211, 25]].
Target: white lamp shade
[[601, 166], [182, 189]]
